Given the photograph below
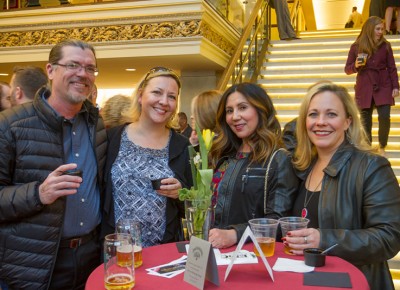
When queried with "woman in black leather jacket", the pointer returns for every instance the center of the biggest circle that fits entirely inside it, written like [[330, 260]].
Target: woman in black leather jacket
[[249, 135], [350, 194]]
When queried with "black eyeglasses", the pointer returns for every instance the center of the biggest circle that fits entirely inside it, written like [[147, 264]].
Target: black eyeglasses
[[75, 67], [160, 70]]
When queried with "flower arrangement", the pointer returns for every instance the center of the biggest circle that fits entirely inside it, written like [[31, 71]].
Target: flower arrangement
[[197, 199], [202, 175]]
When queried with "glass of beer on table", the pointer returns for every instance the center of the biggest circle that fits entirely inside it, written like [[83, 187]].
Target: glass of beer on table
[[131, 227], [119, 270], [264, 231], [292, 223]]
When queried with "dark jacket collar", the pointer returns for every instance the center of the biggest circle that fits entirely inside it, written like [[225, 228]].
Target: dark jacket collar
[[51, 117], [338, 160]]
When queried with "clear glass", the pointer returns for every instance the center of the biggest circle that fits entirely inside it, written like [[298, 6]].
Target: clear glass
[[131, 227], [119, 270], [265, 232], [292, 223], [199, 217]]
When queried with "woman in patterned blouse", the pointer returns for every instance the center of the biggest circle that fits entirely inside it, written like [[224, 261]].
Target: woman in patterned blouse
[[145, 149]]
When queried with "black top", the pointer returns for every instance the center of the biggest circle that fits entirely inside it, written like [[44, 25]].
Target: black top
[[312, 206]]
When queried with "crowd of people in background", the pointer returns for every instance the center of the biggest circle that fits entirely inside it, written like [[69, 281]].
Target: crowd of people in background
[[69, 171]]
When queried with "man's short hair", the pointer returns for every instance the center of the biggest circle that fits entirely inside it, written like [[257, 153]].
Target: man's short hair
[[30, 79]]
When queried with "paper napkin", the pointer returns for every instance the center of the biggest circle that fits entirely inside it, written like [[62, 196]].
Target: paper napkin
[[290, 265]]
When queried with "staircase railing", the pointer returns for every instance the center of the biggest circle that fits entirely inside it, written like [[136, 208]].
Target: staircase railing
[[251, 48], [294, 13]]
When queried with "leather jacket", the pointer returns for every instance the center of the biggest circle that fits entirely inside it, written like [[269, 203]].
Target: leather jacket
[[241, 192], [31, 147], [289, 135], [359, 209]]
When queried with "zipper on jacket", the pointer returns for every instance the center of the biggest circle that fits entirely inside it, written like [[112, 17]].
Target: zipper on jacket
[[245, 177]]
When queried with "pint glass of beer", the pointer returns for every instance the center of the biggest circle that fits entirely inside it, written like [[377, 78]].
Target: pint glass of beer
[[292, 223], [119, 271], [265, 232], [131, 227]]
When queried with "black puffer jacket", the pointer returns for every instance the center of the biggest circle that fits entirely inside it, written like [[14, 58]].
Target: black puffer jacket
[[359, 208], [241, 192], [31, 146]]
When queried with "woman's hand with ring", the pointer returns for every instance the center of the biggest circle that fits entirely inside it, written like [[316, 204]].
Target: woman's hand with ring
[[299, 240]]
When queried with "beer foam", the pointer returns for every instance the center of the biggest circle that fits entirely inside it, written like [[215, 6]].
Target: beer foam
[[125, 249]]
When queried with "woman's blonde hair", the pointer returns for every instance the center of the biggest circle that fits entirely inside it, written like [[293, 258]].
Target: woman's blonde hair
[[133, 113], [305, 151], [113, 108], [204, 109], [366, 39], [266, 137]]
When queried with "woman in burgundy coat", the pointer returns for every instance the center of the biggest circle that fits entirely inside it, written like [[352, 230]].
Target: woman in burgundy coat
[[377, 81]]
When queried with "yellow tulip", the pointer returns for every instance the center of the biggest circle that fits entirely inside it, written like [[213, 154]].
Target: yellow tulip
[[208, 137]]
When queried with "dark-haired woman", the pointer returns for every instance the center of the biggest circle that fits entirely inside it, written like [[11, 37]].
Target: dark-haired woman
[[248, 142]]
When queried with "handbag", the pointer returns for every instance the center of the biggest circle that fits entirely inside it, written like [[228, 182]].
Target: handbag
[[266, 179]]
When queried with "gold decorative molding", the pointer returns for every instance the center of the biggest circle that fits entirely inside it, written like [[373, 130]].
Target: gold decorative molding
[[216, 38], [117, 33]]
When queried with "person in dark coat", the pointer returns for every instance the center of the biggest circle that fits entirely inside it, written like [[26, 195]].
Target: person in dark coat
[[377, 82], [253, 176], [184, 127], [148, 148], [349, 194], [48, 218]]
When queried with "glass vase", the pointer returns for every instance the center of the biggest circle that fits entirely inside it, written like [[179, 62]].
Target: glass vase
[[199, 217]]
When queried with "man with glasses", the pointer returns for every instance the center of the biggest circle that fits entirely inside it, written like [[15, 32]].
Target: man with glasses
[[4, 96], [52, 154]]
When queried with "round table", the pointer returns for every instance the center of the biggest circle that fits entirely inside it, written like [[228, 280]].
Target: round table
[[248, 276]]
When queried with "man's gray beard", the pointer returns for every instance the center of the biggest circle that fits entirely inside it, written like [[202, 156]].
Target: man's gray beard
[[77, 99]]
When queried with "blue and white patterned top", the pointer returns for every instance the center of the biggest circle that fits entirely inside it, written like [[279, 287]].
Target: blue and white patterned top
[[134, 197]]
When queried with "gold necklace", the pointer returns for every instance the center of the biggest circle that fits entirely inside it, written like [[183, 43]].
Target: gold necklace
[[304, 211]]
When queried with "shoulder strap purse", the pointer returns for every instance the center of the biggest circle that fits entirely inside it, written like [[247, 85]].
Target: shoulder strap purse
[[266, 179]]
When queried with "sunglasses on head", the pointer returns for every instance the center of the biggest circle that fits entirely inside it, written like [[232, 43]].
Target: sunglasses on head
[[159, 70]]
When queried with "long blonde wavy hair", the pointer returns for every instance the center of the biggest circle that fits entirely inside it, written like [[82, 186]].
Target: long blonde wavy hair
[[305, 151]]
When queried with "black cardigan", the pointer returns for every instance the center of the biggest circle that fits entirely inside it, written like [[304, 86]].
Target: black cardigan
[[179, 164]]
